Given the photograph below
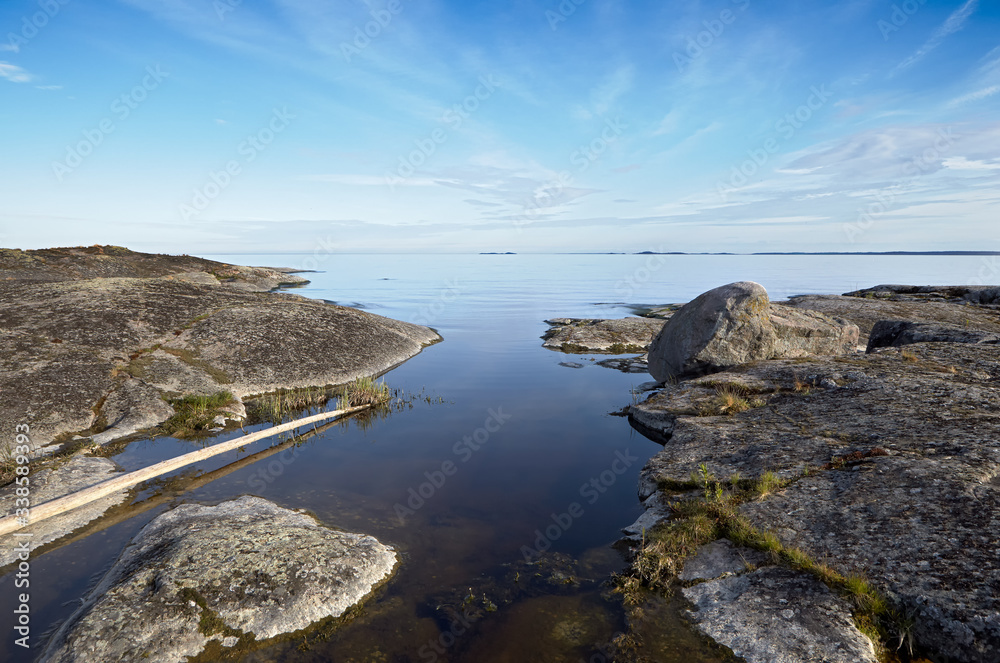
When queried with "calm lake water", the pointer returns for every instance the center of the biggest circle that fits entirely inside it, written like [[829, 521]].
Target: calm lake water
[[541, 433]]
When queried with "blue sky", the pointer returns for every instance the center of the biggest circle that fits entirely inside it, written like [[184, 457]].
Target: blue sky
[[205, 126]]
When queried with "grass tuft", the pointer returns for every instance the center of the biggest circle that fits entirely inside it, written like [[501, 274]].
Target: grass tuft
[[284, 404], [730, 398], [195, 413], [768, 483], [366, 391]]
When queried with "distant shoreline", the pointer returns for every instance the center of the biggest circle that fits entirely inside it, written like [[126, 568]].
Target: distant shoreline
[[616, 253], [829, 253]]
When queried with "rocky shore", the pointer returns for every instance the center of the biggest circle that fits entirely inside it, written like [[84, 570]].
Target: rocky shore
[[868, 477], [101, 344], [95, 339]]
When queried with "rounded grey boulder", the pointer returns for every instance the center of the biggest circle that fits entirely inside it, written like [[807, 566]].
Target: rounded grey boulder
[[737, 323]]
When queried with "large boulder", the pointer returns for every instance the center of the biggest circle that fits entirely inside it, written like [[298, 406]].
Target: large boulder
[[241, 571], [735, 324]]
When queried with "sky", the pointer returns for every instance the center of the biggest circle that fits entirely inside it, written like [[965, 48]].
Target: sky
[[214, 126]]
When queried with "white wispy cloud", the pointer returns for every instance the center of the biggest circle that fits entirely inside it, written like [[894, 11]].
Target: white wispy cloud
[[13, 73], [962, 163], [49, 87], [952, 24], [604, 96], [668, 124], [369, 180], [974, 96], [10, 47]]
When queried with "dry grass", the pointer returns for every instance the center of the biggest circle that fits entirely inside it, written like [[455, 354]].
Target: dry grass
[[730, 398]]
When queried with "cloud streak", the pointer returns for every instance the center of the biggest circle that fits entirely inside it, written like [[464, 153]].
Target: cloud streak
[[953, 24], [13, 73]]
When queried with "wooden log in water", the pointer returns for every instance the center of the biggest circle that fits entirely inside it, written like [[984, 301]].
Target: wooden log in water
[[66, 503]]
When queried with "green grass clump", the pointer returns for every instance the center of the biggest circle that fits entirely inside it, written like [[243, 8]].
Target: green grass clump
[[286, 403], [366, 391], [195, 413], [768, 483]]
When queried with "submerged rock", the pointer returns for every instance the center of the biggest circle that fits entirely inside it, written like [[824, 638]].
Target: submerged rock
[[639, 364], [241, 571], [71, 476], [735, 324], [624, 336]]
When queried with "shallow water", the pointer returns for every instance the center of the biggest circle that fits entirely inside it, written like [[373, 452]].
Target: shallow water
[[462, 542]]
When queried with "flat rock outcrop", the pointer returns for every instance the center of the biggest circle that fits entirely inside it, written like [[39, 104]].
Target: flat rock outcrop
[[866, 309], [984, 295], [735, 324], [625, 336], [91, 262], [96, 355], [894, 333], [893, 461], [769, 614], [260, 571]]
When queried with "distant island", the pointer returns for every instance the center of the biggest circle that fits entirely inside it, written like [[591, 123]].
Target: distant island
[[826, 253], [496, 253]]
